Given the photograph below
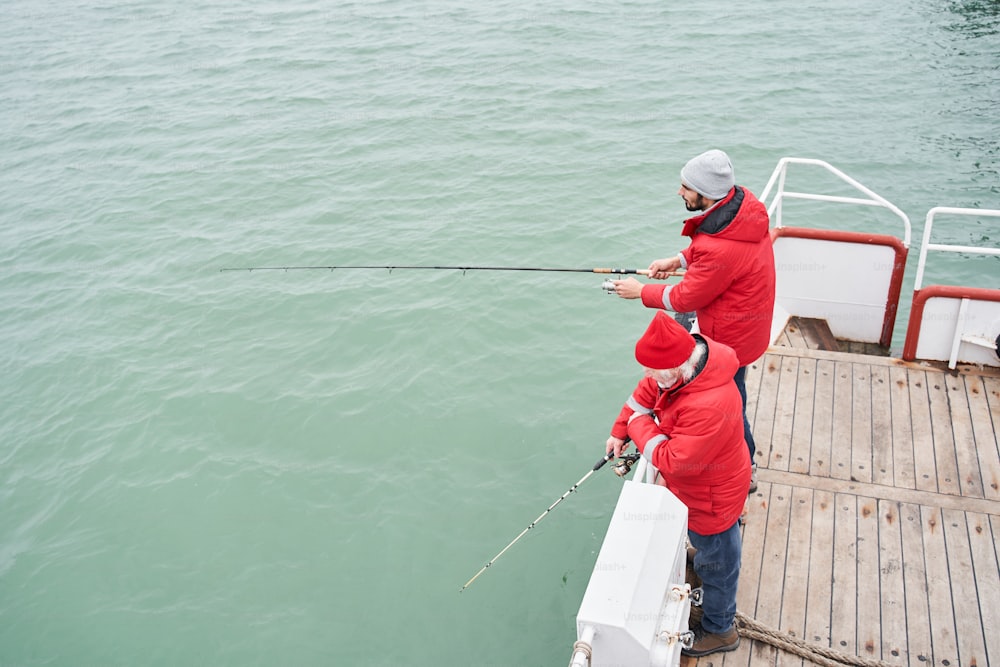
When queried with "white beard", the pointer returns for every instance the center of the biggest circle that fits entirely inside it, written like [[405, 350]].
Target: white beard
[[666, 379]]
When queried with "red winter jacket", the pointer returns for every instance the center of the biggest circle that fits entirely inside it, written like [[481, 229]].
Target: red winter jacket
[[729, 280], [696, 441]]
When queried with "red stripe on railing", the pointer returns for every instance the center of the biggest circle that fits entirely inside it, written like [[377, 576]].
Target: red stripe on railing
[[899, 265], [920, 298]]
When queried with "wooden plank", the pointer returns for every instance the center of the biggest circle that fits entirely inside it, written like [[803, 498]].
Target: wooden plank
[[753, 387], [795, 335], [753, 376], [869, 592], [840, 453], [772, 571], [882, 463], [984, 538], [820, 593], [861, 424], [923, 438], [817, 334], [784, 415], [876, 350], [903, 469], [891, 362], [918, 628], [931, 499], [942, 616], [984, 410], [854, 347], [783, 340], [843, 626], [965, 603], [992, 384], [796, 580], [763, 424], [791, 335], [892, 592], [970, 477], [801, 438], [945, 461], [754, 529], [821, 450]]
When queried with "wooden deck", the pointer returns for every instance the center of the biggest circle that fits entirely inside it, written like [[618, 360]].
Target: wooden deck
[[875, 529]]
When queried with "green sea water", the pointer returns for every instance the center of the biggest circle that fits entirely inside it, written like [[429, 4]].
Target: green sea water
[[302, 468]]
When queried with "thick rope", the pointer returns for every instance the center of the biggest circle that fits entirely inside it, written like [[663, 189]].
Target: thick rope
[[753, 629], [820, 655]]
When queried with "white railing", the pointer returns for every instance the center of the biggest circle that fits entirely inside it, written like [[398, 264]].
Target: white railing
[[943, 318], [942, 247], [778, 177], [850, 279]]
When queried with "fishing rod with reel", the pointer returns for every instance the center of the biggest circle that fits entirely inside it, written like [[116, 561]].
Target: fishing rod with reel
[[621, 468], [608, 285]]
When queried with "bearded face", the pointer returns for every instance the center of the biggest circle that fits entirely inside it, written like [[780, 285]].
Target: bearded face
[[692, 200], [664, 378]]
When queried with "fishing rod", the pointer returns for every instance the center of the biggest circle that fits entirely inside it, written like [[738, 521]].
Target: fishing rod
[[621, 469], [463, 269]]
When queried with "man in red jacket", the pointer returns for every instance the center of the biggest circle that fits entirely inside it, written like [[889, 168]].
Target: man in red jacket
[[729, 268], [686, 418]]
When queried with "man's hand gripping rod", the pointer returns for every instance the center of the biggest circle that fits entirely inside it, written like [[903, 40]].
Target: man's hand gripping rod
[[609, 284]]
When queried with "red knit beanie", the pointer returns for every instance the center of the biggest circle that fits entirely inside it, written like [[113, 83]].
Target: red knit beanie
[[664, 345]]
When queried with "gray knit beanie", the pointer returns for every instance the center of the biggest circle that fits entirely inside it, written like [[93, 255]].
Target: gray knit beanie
[[710, 174]]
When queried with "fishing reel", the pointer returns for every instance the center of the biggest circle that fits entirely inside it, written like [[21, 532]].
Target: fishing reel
[[608, 286], [625, 463]]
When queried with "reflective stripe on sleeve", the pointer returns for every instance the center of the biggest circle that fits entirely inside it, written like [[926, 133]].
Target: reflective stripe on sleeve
[[636, 407], [651, 446], [666, 298]]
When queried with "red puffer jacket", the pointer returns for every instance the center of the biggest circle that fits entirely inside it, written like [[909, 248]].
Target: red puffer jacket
[[730, 280], [697, 444]]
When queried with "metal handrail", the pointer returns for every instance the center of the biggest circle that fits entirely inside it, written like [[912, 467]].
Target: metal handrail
[[944, 247], [778, 176]]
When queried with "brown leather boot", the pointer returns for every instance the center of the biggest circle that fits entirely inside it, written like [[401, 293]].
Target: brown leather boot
[[706, 643]]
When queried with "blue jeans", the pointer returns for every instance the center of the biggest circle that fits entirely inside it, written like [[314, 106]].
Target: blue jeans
[[717, 562], [741, 383]]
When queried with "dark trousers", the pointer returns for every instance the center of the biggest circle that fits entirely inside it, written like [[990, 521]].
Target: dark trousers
[[741, 383], [717, 562]]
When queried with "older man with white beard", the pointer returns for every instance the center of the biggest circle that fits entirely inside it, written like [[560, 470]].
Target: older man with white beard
[[686, 418]]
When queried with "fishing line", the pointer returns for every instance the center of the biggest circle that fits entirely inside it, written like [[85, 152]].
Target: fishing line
[[621, 469]]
